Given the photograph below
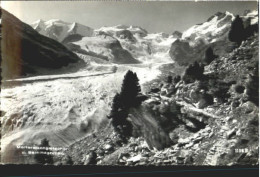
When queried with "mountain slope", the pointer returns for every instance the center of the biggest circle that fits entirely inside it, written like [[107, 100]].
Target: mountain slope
[[209, 121], [133, 43], [224, 132], [212, 33], [101, 46], [24, 49], [144, 46]]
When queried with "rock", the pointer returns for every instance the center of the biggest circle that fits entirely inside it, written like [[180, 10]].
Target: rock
[[183, 141], [108, 147], [211, 134], [133, 145], [90, 158], [164, 92], [249, 106], [142, 163], [234, 104], [153, 100], [167, 161], [198, 139], [231, 133], [121, 161], [100, 152], [188, 160], [239, 133], [189, 145], [134, 159], [123, 155], [93, 149], [205, 101], [177, 34], [228, 118], [155, 90], [180, 160]]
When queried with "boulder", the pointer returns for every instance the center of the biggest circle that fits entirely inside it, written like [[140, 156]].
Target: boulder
[[231, 133], [137, 158], [90, 158], [108, 147]]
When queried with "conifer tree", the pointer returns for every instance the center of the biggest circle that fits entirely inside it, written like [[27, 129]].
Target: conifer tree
[[44, 158], [252, 85], [127, 98], [237, 31], [130, 89], [209, 56]]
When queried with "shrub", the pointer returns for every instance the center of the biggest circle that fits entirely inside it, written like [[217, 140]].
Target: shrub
[[239, 89], [169, 79], [220, 91], [69, 160], [193, 72], [176, 79]]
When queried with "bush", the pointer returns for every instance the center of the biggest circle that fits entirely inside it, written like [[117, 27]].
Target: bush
[[69, 161], [169, 79], [239, 89], [176, 79], [220, 91], [193, 72]]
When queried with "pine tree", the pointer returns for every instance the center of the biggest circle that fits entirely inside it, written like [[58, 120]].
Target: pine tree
[[44, 158], [209, 56], [116, 106], [130, 89], [237, 31], [169, 79], [252, 85], [176, 79], [127, 98]]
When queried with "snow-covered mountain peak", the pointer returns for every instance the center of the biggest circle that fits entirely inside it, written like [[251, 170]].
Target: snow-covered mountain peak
[[214, 29], [112, 30], [251, 16], [59, 30]]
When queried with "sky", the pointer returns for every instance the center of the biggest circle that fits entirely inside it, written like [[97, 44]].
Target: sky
[[154, 16]]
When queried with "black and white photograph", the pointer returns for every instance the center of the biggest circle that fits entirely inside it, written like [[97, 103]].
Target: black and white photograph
[[130, 83]]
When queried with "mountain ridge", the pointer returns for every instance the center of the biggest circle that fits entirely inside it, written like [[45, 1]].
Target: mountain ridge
[[24, 50]]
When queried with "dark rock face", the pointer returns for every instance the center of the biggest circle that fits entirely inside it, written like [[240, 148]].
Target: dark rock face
[[182, 53], [121, 56], [146, 125], [72, 38], [126, 34], [23, 49], [177, 34], [101, 46]]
